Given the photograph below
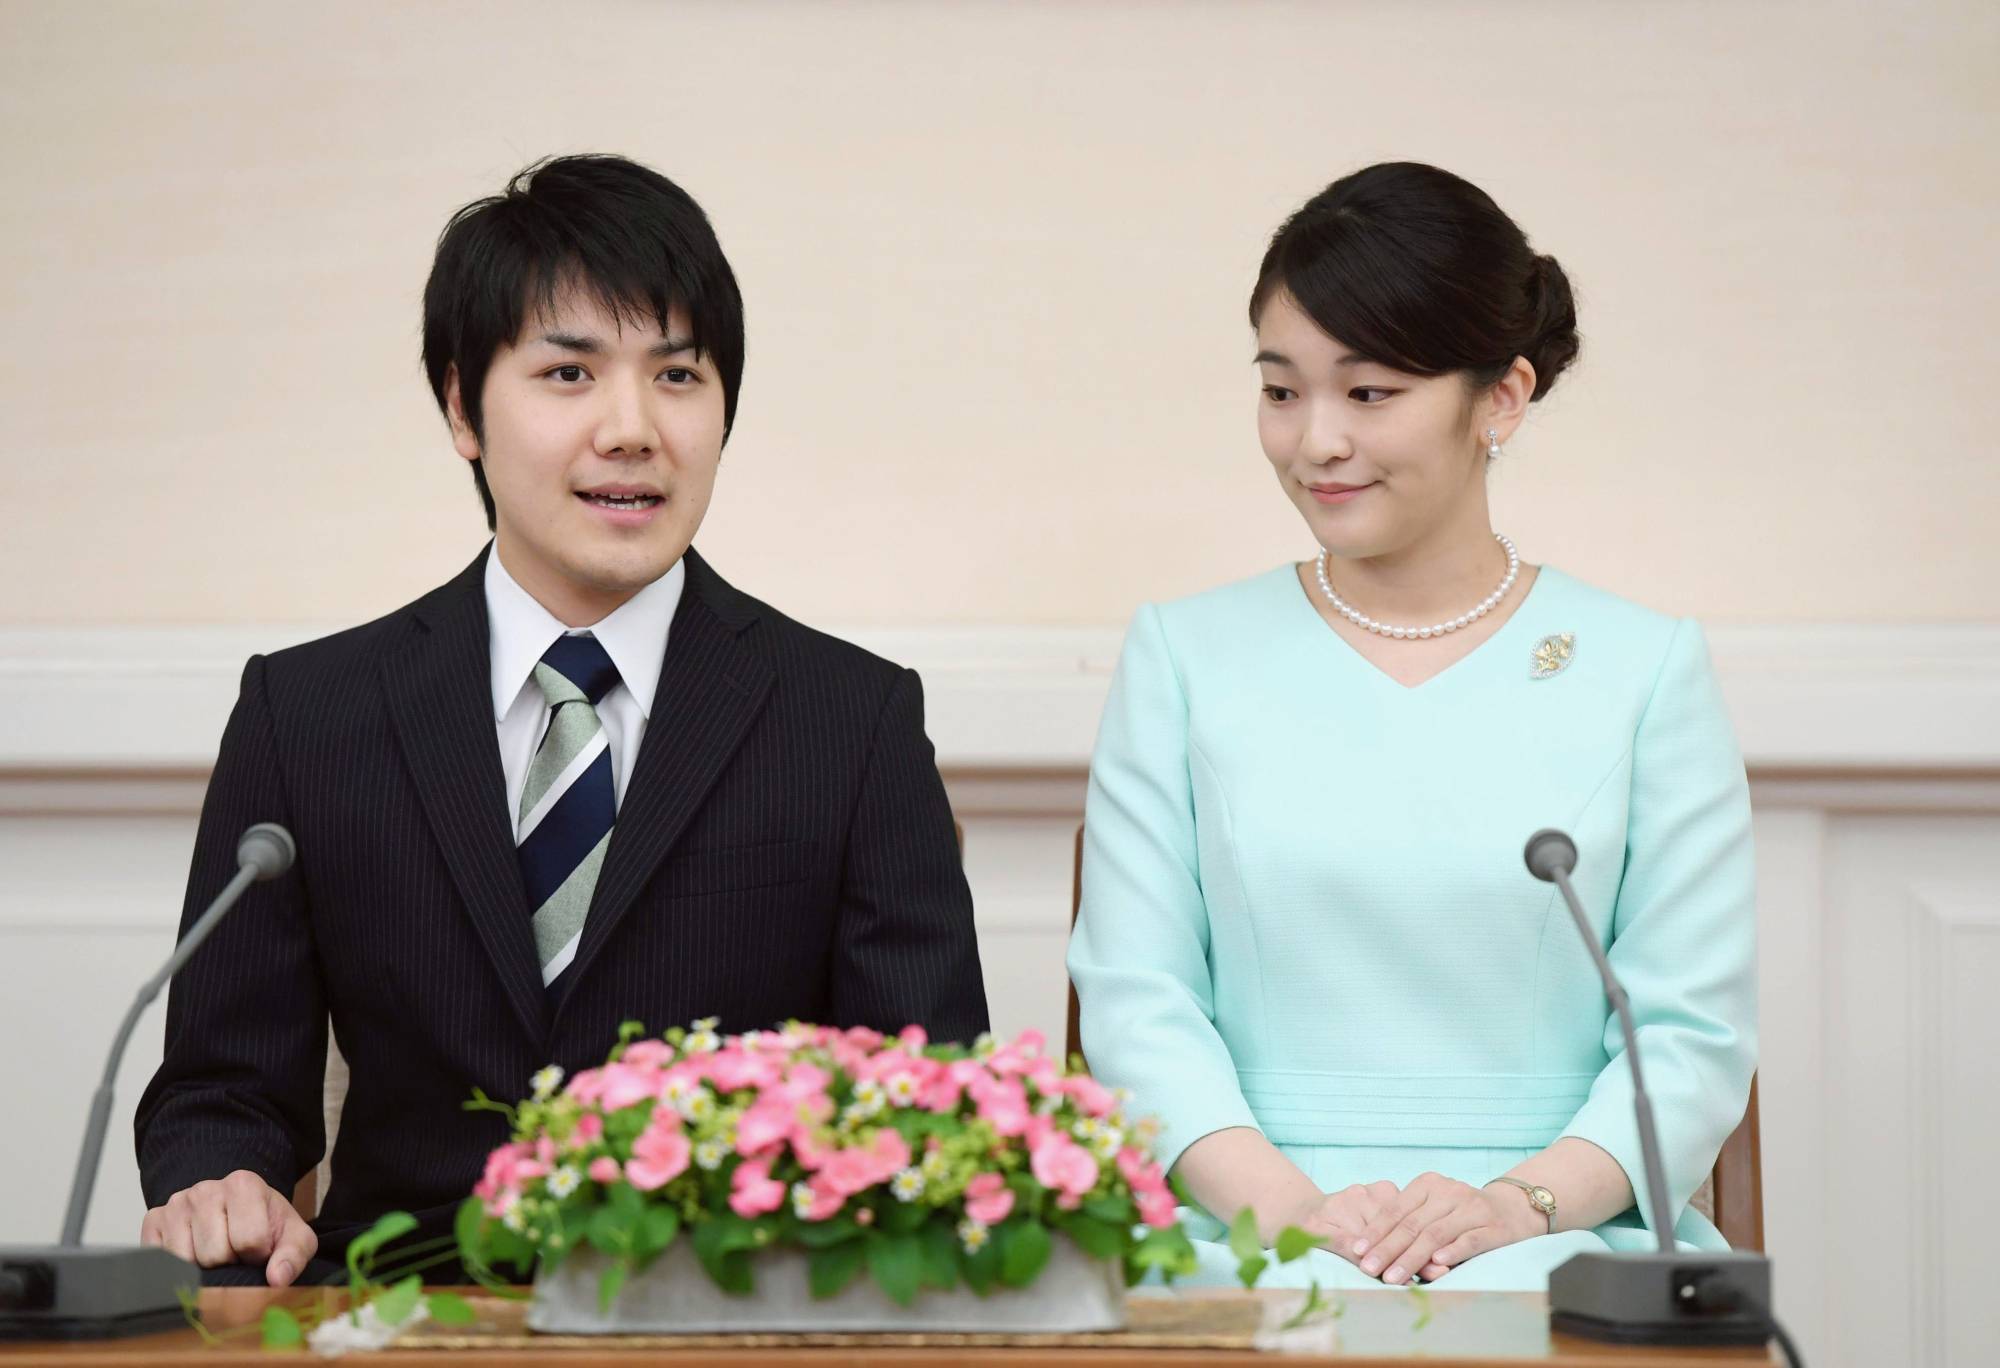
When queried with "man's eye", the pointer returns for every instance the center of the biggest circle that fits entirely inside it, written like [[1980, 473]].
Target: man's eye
[[569, 375], [679, 375], [1370, 395], [1277, 394]]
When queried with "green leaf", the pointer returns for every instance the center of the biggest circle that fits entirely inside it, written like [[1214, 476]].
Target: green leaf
[[1182, 1194], [1111, 1210], [1252, 1269], [656, 1231], [448, 1308], [1024, 1249], [825, 1234], [608, 1285], [395, 1305], [1095, 1238], [981, 1269], [901, 1218], [722, 1244], [392, 1226], [1243, 1241], [281, 1329], [833, 1268], [940, 1256], [470, 1228], [897, 1262], [1293, 1243], [609, 1232], [1169, 1251]]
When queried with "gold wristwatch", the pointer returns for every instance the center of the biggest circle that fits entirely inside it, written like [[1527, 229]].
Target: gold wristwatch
[[1539, 1197]]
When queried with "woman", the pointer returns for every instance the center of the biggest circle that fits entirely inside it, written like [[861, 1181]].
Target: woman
[[1307, 942]]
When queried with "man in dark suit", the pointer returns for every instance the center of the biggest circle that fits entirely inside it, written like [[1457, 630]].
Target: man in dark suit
[[585, 781]]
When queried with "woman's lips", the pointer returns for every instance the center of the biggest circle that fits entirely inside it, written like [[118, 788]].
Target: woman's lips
[[1337, 495]]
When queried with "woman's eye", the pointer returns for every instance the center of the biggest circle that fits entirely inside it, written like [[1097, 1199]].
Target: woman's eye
[[1277, 394], [1370, 394], [569, 375]]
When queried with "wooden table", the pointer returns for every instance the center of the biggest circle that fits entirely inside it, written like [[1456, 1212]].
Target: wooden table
[[1469, 1329]]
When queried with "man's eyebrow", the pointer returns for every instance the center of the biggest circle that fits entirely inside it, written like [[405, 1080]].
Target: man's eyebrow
[[575, 342], [673, 346]]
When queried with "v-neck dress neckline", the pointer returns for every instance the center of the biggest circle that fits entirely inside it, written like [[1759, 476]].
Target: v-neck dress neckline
[[1342, 648]]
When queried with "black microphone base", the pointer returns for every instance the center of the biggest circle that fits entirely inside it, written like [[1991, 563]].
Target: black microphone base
[[1684, 1298], [65, 1292]]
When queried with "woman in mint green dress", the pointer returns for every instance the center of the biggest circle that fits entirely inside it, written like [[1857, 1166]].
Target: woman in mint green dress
[[1308, 943]]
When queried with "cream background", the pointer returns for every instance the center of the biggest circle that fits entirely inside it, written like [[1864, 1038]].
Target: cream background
[[995, 259]]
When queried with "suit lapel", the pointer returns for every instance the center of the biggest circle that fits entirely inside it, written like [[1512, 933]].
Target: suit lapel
[[711, 687], [441, 697]]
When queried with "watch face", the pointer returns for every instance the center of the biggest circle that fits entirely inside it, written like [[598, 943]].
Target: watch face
[[1543, 1198]]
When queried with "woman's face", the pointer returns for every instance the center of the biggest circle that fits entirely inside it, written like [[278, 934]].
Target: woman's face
[[1374, 459]]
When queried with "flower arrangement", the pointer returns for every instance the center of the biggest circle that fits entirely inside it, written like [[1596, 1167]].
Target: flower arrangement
[[925, 1165]]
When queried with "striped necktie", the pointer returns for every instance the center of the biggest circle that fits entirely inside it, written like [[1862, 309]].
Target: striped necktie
[[567, 803]]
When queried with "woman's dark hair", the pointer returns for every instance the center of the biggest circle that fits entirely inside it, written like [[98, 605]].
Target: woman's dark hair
[[629, 235], [1419, 270]]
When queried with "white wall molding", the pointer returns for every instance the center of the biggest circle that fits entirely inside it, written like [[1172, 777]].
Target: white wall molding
[[1804, 697]]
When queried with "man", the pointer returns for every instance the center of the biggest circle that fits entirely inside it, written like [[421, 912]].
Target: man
[[585, 781]]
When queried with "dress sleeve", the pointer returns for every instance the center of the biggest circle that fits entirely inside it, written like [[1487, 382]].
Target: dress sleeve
[[1139, 955], [1683, 935]]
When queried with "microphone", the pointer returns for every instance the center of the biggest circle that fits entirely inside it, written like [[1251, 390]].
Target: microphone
[[1669, 1297], [67, 1291]]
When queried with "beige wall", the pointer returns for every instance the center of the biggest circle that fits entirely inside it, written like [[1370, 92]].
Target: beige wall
[[995, 259]]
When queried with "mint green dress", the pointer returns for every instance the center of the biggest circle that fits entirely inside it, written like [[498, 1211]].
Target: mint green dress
[[1305, 908]]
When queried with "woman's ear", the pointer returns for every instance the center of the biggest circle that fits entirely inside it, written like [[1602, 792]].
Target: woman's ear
[[463, 439], [1506, 403]]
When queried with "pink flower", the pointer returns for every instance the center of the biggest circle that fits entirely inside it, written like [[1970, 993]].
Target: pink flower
[[1156, 1208], [988, 1199], [736, 1069], [914, 1038], [766, 1126], [1002, 1104], [815, 1200], [589, 1129], [1065, 1167], [625, 1084], [604, 1169], [1145, 1175], [659, 1155], [586, 1086], [654, 1052], [753, 1192], [1093, 1097], [855, 1170]]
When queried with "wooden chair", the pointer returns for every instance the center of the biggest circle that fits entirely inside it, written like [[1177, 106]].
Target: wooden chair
[[1732, 1196], [305, 1197]]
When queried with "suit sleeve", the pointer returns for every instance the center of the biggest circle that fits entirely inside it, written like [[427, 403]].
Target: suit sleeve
[[239, 1086], [906, 951], [1139, 954], [1683, 936]]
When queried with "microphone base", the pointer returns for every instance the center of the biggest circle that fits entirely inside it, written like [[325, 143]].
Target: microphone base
[[73, 1292], [1652, 1298]]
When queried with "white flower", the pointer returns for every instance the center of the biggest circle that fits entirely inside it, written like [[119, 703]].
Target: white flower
[[1086, 1129], [546, 1081], [934, 1166], [986, 1045], [802, 1200], [336, 1335], [907, 1185], [702, 1039], [1108, 1142], [564, 1181], [514, 1218], [868, 1090], [972, 1234], [709, 1154], [903, 1089], [698, 1105]]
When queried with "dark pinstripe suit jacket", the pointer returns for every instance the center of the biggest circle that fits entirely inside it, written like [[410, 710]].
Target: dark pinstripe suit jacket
[[784, 849]]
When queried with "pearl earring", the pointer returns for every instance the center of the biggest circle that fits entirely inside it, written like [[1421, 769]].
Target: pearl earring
[[1493, 444]]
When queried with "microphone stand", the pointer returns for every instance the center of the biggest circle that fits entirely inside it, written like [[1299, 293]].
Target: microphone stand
[[72, 1291], [1669, 1296]]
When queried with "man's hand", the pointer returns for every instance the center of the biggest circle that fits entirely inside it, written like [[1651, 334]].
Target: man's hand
[[238, 1219]]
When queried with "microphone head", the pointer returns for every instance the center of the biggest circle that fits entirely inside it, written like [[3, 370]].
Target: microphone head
[[1550, 852], [267, 848]]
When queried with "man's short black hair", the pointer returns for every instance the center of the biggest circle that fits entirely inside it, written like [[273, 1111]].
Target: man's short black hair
[[630, 236]]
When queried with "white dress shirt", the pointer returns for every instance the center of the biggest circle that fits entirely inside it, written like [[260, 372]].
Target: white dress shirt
[[519, 630]]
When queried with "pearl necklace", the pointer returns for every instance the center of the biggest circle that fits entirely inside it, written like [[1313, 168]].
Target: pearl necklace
[[1369, 624]]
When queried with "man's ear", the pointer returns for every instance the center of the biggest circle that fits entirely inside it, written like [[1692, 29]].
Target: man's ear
[[463, 439]]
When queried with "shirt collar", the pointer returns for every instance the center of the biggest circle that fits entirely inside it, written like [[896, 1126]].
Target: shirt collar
[[634, 635]]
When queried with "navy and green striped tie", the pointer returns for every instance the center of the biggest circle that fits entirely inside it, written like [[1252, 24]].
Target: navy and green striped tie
[[568, 803]]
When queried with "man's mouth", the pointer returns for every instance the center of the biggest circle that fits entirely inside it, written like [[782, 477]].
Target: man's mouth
[[625, 503]]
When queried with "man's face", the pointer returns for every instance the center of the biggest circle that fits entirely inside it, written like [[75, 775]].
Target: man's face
[[601, 440]]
